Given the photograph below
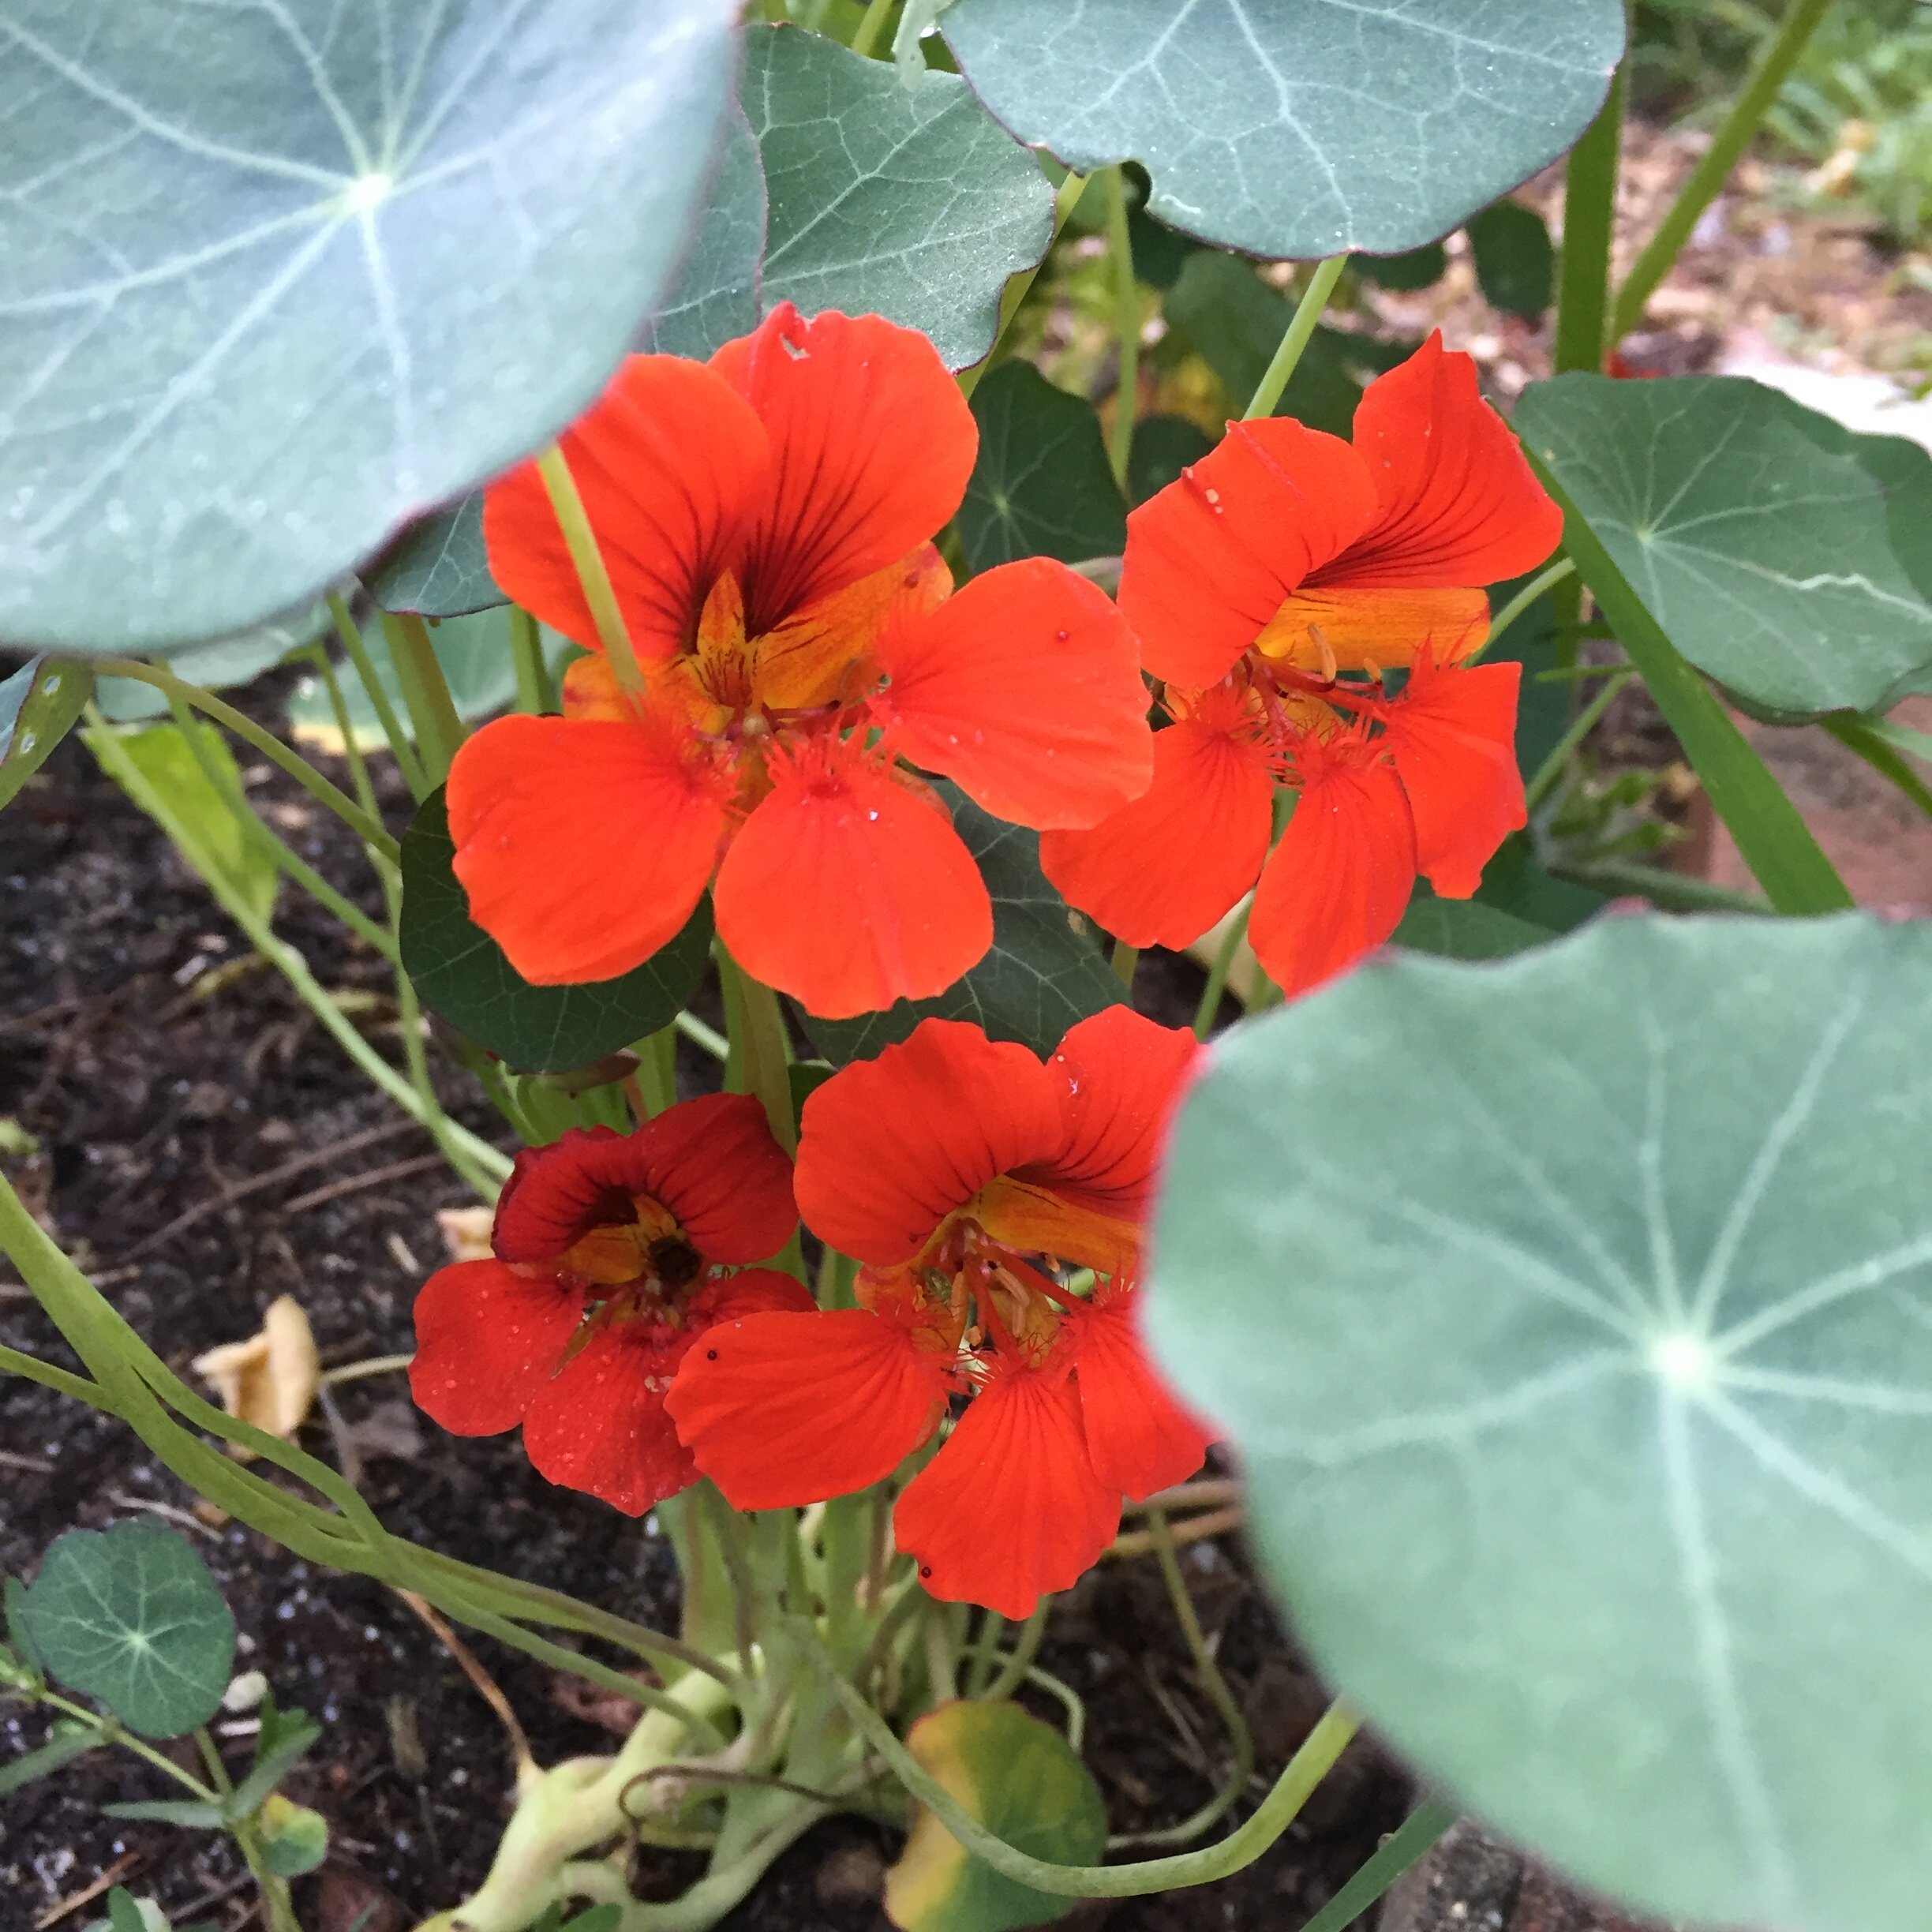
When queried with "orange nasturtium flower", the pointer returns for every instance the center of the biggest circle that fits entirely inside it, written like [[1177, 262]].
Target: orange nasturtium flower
[[614, 1253], [1271, 585], [765, 520], [973, 1182]]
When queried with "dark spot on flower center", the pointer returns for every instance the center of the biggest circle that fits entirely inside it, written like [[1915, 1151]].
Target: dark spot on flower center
[[674, 1261]]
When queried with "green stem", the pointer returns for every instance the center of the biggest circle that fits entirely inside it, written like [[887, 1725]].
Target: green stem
[[1552, 769], [1714, 166], [600, 593], [271, 747], [871, 27], [700, 1036], [1862, 736], [1400, 1850], [1218, 973], [1545, 579], [1675, 892], [1026, 1648], [1127, 315], [1589, 221], [1299, 331], [1124, 959], [401, 748], [1216, 1687], [1015, 293], [425, 691], [112, 1732], [534, 693], [278, 1908], [1306, 1769], [761, 1048]]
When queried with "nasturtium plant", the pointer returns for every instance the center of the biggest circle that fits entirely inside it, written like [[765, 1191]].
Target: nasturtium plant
[[1585, 1447], [219, 665], [130, 1616], [1789, 558], [39, 704], [254, 281], [1307, 130], [437, 567]]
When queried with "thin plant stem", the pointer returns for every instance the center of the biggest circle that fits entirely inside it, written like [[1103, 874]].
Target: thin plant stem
[[866, 37], [1223, 964], [1857, 734], [1127, 316], [1306, 1769], [271, 747], [439, 731], [1589, 211], [1675, 892], [1545, 579], [707, 1038], [1124, 960], [1552, 769], [112, 1732], [730, 1528], [983, 1651], [1026, 1647], [533, 691], [1015, 293], [599, 593], [352, 752], [761, 1050], [278, 1908], [1714, 164], [1216, 1689], [1301, 330], [402, 747], [1398, 1851]]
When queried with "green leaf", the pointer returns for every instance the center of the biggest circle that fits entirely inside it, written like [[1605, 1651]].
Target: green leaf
[[1786, 557], [438, 568], [716, 295], [1585, 1434], [125, 1913], [1041, 484], [264, 297], [461, 972], [1513, 882], [295, 1840], [1044, 971], [1775, 841], [1234, 321], [1022, 1780], [886, 198], [1466, 929], [190, 1814], [1305, 130], [14, 1592], [1516, 265], [1163, 446], [202, 817], [64, 1743], [1419, 268], [286, 1737], [130, 1616], [38, 704], [216, 666], [596, 1919]]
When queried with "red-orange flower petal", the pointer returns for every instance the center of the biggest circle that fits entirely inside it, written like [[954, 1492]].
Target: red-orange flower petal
[[487, 1340], [1339, 883], [1162, 869], [783, 1410], [1210, 559], [583, 846], [673, 466], [1140, 1438], [1121, 1076], [888, 1148], [872, 444], [1452, 734], [849, 890], [1025, 687], [1458, 503], [1010, 1507]]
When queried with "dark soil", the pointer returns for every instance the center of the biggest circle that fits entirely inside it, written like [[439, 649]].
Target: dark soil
[[157, 1065]]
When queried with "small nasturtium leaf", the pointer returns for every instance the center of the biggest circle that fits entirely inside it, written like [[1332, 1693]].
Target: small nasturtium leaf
[[1789, 559], [1041, 485], [1021, 1780], [886, 197], [716, 294], [1298, 130], [1515, 265], [1466, 929], [268, 290], [1044, 972], [38, 704], [1163, 446], [294, 1839], [1583, 1383], [1419, 268], [131, 1617], [462, 974], [438, 568], [217, 665], [65, 1741]]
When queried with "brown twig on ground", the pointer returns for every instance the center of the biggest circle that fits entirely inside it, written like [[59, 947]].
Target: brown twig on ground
[[485, 1684], [111, 1878], [375, 1176], [1208, 1492]]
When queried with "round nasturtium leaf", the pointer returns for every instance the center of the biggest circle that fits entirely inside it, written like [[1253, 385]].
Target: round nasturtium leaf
[[462, 976], [1023, 1782], [1300, 129], [275, 280], [1788, 557], [1572, 1316], [130, 1616]]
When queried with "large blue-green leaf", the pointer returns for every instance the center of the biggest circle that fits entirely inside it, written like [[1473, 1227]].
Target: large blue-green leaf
[[1786, 556], [716, 295], [217, 665], [1573, 1317], [1301, 129], [887, 198], [274, 278]]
